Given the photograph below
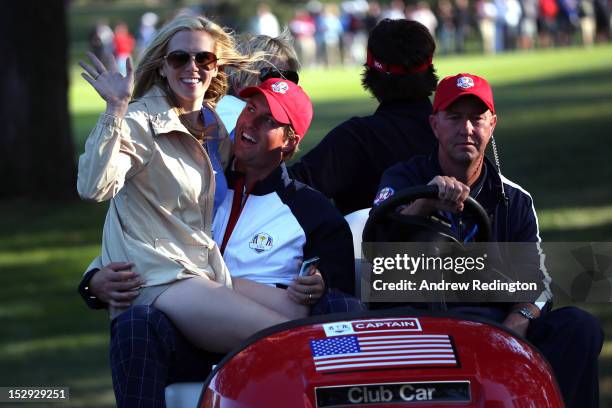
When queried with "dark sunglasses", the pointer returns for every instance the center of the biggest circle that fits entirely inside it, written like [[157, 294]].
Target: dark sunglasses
[[204, 59], [271, 72]]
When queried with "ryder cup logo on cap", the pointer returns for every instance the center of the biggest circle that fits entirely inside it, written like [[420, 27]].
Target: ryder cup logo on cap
[[454, 87], [287, 101], [465, 82], [280, 87]]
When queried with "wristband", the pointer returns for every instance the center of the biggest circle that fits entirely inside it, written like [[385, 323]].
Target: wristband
[[92, 301], [526, 313]]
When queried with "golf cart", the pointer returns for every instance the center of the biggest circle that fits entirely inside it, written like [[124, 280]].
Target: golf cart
[[399, 357]]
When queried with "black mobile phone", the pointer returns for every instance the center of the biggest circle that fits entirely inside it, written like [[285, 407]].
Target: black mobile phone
[[306, 265]]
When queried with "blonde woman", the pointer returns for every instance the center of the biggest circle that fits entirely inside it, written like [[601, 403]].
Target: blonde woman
[[146, 156]]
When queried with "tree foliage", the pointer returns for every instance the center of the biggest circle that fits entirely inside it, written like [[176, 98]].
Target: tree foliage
[[36, 148]]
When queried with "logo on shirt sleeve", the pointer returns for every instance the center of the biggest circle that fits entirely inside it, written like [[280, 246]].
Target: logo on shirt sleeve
[[383, 195], [261, 242]]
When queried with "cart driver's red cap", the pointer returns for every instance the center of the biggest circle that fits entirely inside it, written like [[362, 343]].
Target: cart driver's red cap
[[452, 88], [288, 103]]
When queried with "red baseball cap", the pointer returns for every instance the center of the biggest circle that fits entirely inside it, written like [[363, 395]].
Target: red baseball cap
[[452, 88], [288, 103]]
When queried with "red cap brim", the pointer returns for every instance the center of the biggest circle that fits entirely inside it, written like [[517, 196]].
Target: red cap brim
[[448, 102], [278, 113], [454, 87]]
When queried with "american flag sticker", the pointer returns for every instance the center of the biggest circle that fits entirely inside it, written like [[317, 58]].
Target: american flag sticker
[[370, 352]]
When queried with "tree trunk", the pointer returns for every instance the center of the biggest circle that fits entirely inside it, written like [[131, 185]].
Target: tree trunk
[[36, 148]]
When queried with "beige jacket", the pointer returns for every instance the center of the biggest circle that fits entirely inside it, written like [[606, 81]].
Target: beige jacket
[[161, 186]]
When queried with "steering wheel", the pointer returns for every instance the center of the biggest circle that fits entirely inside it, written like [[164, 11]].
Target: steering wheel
[[385, 224]]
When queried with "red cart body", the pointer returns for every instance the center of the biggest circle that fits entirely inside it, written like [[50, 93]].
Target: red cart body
[[383, 360]]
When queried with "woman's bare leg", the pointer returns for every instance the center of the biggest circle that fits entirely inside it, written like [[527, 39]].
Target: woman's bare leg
[[212, 316], [271, 297]]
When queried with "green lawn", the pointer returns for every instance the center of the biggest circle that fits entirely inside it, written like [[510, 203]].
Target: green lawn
[[555, 109]]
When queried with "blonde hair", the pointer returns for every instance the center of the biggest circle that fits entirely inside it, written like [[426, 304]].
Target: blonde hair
[[148, 71], [273, 50]]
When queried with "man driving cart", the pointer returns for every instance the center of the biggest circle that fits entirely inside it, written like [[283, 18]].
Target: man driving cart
[[463, 122]]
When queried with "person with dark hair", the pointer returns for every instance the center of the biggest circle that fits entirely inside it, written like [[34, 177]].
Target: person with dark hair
[[461, 20], [602, 21], [101, 41], [347, 164]]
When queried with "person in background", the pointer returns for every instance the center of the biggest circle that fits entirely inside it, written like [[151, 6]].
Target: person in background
[[462, 20], [487, 14], [147, 30], [395, 11], [265, 23], [548, 23], [347, 164], [528, 27], [124, 45], [567, 20], [303, 29], [446, 26], [372, 17], [512, 19], [330, 31], [423, 14], [101, 41], [587, 21], [602, 20]]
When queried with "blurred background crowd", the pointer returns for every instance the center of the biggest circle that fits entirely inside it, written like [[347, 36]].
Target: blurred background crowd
[[334, 33]]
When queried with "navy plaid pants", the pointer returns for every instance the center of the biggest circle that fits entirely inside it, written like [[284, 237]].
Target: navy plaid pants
[[147, 353], [335, 301]]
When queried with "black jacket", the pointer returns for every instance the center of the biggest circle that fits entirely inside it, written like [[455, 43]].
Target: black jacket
[[347, 164]]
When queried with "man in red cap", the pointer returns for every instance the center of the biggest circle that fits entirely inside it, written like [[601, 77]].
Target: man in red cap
[[463, 122], [265, 225], [284, 103], [267, 215]]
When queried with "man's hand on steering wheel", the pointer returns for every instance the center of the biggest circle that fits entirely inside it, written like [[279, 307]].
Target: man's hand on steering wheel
[[451, 196]]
